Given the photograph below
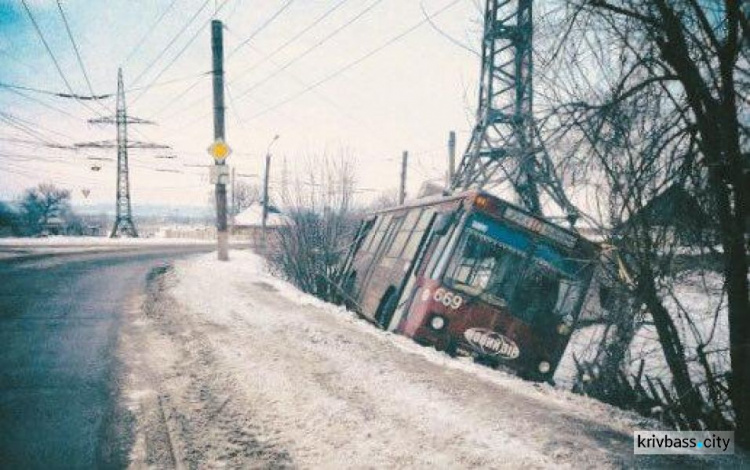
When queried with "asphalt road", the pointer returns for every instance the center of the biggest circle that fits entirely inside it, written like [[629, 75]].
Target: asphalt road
[[59, 323]]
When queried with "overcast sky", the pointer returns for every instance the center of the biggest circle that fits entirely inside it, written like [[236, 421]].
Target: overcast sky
[[406, 96]]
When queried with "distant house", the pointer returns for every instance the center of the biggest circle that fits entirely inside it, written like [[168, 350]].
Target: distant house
[[54, 226], [677, 214], [248, 224]]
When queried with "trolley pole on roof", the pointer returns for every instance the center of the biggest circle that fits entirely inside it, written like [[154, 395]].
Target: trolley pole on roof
[[402, 189]]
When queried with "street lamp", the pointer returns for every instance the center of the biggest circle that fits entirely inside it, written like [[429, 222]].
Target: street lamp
[[265, 184]]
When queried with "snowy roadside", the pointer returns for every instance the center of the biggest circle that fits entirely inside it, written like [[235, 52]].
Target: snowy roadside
[[66, 241], [238, 368], [14, 248]]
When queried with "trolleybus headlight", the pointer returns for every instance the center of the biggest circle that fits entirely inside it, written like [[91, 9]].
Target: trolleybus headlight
[[437, 322], [544, 367], [563, 329]]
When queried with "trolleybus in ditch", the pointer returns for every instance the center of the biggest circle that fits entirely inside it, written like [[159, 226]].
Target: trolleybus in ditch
[[473, 274]]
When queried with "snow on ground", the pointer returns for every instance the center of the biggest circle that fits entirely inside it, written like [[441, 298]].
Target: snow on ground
[[699, 296], [55, 245], [65, 241], [237, 368]]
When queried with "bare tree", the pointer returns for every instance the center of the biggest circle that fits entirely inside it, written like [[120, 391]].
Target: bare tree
[[39, 205], [384, 200], [321, 225], [245, 195], [683, 65]]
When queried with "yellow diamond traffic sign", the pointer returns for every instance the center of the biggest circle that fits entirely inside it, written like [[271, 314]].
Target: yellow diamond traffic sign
[[219, 150]]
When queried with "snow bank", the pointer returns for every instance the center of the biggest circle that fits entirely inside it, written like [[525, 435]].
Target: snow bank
[[354, 390]]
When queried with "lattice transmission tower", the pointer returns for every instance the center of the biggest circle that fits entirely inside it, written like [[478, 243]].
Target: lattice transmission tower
[[124, 225], [504, 145]]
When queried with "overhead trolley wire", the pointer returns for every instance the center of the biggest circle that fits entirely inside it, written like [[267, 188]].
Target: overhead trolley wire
[[267, 23], [302, 32], [150, 30], [172, 41], [278, 70], [354, 63], [179, 54], [261, 28], [307, 51]]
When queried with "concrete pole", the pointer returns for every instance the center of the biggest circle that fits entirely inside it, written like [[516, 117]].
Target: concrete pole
[[217, 50], [234, 195], [402, 190], [265, 193], [451, 158]]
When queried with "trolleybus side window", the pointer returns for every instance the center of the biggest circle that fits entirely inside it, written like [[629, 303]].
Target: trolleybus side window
[[378, 237], [367, 243], [401, 239], [416, 237]]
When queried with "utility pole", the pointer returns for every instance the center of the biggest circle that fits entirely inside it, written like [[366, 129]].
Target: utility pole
[[402, 189], [234, 197], [266, 174], [451, 158], [217, 49]]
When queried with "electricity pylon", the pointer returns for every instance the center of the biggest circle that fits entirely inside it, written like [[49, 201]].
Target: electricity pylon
[[124, 225], [504, 145]]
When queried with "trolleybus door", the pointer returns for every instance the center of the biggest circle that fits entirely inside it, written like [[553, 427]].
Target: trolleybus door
[[378, 253]]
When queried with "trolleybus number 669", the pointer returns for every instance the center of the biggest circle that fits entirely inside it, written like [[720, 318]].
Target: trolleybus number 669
[[447, 298]]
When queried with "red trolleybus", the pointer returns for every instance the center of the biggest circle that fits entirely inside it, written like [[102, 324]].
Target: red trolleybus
[[473, 274]]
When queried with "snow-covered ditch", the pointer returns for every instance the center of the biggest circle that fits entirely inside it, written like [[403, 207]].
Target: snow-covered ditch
[[333, 391]]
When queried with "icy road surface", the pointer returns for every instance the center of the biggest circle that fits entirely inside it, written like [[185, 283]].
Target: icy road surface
[[229, 366]]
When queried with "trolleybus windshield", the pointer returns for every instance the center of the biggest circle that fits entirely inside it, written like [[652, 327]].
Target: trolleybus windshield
[[503, 267]]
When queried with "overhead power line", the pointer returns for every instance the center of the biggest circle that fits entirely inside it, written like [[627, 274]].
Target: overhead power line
[[261, 28], [51, 54], [150, 30], [42, 103], [29, 129], [270, 20], [47, 47], [55, 93], [180, 53], [171, 42], [298, 57], [294, 38], [354, 63], [307, 51], [75, 48]]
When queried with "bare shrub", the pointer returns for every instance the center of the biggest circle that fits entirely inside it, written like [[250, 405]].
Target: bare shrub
[[321, 222]]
